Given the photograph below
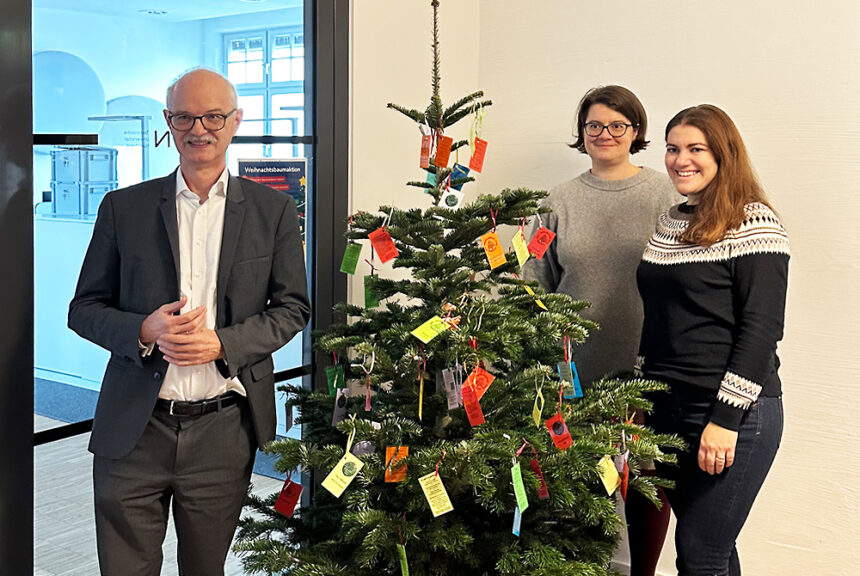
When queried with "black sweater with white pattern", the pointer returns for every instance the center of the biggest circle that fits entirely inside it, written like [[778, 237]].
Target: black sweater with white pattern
[[713, 316]]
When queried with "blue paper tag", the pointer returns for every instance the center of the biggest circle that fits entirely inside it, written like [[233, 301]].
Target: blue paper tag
[[577, 387], [458, 171], [517, 519]]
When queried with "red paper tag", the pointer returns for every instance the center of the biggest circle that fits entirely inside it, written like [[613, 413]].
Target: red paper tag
[[472, 406], [288, 498], [543, 491], [625, 477], [541, 241], [426, 142], [476, 162], [384, 245], [480, 380], [558, 430], [443, 151]]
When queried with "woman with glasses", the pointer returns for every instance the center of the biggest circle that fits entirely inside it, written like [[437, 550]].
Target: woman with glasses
[[713, 282], [601, 218]]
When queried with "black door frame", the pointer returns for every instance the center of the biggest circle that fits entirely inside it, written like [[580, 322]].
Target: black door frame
[[329, 23]]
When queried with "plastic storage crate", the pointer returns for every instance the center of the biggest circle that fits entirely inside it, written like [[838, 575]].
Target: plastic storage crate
[[80, 177], [83, 164]]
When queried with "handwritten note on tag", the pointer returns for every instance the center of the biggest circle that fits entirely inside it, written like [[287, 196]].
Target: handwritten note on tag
[[443, 151], [436, 494], [476, 162], [343, 474]]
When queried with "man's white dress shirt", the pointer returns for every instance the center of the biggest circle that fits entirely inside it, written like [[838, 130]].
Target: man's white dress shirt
[[201, 226]]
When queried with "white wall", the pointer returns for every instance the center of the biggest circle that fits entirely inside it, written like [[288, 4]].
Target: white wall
[[784, 71]]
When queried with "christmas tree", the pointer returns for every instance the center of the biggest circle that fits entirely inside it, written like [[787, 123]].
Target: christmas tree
[[455, 437]]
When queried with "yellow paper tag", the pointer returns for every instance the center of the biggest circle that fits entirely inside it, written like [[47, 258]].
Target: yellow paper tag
[[343, 473], [436, 494], [430, 329], [608, 474], [521, 247], [493, 248], [532, 293], [538, 407]]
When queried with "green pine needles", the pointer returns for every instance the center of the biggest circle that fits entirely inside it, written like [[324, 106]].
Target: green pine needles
[[492, 322]]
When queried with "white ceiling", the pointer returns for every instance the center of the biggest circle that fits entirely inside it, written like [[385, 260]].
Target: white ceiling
[[176, 10]]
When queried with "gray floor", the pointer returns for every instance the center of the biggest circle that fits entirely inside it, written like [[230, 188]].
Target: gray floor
[[63, 519]]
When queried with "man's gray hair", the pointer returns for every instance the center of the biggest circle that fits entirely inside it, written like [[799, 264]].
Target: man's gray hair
[[233, 94]]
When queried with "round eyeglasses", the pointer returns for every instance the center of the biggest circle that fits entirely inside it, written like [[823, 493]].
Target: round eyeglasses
[[615, 129], [185, 122]]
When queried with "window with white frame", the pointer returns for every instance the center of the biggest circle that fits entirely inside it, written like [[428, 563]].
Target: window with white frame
[[268, 69]]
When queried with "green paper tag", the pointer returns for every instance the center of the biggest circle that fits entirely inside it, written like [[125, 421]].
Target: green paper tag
[[350, 258], [370, 298], [335, 377], [404, 565], [519, 489]]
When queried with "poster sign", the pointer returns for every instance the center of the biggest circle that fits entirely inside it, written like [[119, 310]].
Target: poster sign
[[285, 175]]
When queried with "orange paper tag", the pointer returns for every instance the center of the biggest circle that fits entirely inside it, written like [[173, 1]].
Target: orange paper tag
[[443, 151], [384, 245], [395, 463], [493, 248], [476, 162], [541, 241], [480, 380]]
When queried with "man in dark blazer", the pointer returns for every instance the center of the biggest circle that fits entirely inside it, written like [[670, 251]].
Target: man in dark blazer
[[191, 281]]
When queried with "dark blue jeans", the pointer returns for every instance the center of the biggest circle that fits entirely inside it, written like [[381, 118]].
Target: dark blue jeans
[[711, 510]]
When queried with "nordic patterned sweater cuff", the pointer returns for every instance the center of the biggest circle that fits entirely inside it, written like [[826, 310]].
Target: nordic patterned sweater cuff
[[735, 397]]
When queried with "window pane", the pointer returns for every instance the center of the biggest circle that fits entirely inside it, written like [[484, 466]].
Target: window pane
[[237, 51], [281, 71], [254, 72]]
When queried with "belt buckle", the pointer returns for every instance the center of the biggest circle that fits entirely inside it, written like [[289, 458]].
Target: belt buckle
[[172, 402]]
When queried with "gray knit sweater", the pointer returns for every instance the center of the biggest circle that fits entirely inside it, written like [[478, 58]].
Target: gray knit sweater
[[602, 228]]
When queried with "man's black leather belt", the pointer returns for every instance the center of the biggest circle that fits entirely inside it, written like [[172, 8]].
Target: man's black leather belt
[[197, 407]]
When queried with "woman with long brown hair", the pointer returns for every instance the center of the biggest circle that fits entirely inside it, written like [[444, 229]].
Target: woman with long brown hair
[[713, 282]]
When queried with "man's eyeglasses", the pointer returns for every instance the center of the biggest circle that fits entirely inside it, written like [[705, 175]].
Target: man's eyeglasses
[[615, 129], [185, 122]]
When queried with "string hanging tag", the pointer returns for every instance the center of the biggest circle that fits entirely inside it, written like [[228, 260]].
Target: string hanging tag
[[345, 470], [367, 372]]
